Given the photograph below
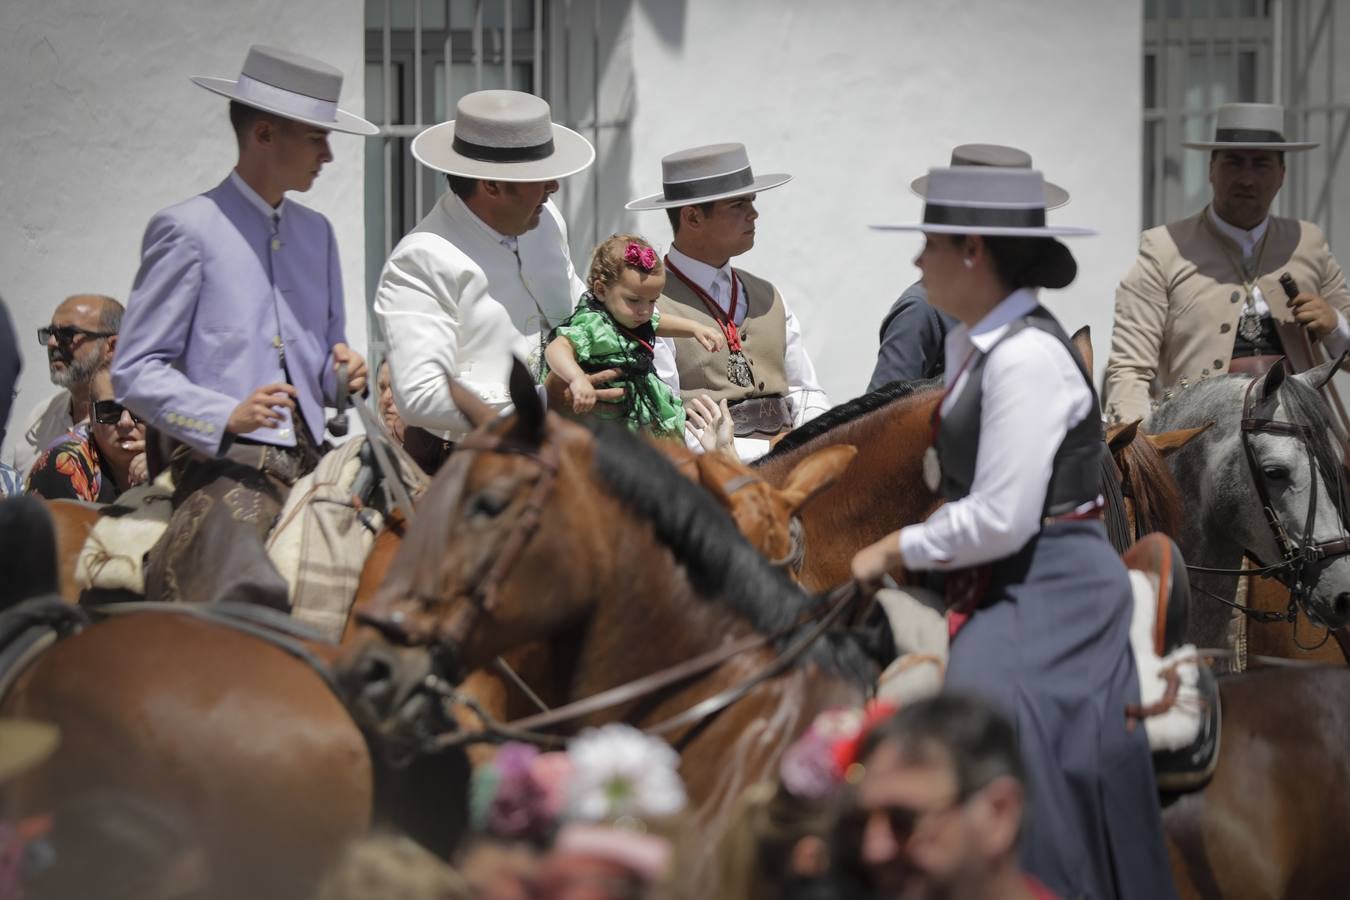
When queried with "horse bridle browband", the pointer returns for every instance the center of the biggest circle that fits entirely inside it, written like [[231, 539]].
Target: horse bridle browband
[[1295, 558]]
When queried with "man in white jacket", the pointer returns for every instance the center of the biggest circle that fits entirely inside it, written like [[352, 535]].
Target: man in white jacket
[[487, 274]]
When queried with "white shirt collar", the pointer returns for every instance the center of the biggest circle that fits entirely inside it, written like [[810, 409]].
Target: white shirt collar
[[988, 330], [1247, 240], [510, 242], [700, 273], [255, 198]]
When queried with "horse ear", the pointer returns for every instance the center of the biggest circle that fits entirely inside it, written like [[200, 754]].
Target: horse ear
[[1170, 442], [815, 473], [470, 405], [1274, 377], [1121, 435], [529, 408], [1318, 376], [715, 469], [1082, 342]]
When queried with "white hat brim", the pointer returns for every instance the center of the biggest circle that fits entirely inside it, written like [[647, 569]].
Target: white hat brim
[[659, 201], [1291, 146], [345, 121], [992, 230], [1055, 196], [434, 148]]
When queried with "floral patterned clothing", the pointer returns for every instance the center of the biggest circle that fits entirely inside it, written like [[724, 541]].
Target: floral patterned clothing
[[72, 469]]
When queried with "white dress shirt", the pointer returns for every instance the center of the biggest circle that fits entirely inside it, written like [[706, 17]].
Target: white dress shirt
[[1033, 394], [1338, 340], [805, 396], [457, 297]]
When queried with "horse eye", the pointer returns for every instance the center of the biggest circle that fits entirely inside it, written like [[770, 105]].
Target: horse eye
[[1276, 473], [487, 505]]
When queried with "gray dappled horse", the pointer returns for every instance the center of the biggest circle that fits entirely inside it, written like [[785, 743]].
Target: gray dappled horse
[[1298, 469]]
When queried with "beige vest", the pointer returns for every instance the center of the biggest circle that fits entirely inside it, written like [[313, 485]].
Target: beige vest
[[763, 341]]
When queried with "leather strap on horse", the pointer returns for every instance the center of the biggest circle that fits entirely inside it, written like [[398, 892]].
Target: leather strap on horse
[[530, 727], [796, 555]]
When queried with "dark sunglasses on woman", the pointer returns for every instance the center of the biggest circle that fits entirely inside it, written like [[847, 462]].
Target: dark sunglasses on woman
[[109, 412]]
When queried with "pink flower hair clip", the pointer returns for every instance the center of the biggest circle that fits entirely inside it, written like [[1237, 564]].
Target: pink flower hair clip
[[640, 257]]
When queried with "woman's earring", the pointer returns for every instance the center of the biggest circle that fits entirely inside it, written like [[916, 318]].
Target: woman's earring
[[970, 263]]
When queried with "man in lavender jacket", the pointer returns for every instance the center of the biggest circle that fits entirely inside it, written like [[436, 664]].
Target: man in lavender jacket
[[233, 333]]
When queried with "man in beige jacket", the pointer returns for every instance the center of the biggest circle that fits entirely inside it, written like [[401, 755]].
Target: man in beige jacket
[[1204, 296]]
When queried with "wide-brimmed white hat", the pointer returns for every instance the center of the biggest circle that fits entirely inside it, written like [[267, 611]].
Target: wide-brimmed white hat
[[503, 136], [999, 156], [705, 174], [1250, 126], [289, 85], [986, 200]]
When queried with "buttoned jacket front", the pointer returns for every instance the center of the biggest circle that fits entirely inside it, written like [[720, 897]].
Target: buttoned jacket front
[[1177, 308], [455, 299], [215, 290]]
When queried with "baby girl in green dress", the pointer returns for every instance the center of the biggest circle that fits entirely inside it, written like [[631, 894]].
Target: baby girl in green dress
[[615, 326]]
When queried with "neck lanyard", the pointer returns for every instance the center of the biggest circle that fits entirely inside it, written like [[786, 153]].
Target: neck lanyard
[[1249, 323], [726, 319]]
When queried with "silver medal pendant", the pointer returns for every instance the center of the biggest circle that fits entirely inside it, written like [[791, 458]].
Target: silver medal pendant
[[738, 370], [932, 470], [1249, 325]]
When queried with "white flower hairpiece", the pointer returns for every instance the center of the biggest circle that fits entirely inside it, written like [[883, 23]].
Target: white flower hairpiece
[[619, 772]]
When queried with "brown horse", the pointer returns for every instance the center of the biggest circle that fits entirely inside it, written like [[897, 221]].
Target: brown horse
[[241, 744], [543, 530]]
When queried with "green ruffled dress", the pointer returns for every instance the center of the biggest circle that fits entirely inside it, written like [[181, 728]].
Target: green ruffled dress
[[599, 343]]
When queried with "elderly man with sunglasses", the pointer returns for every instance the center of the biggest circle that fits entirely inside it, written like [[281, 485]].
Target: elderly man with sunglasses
[[79, 342]]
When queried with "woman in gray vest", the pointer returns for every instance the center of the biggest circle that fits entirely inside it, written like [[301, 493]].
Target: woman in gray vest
[[1040, 603]]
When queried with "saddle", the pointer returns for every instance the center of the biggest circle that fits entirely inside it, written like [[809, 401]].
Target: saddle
[[30, 627], [319, 544], [1179, 697]]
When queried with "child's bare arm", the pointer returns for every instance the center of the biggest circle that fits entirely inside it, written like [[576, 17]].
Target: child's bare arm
[[679, 326], [562, 359]]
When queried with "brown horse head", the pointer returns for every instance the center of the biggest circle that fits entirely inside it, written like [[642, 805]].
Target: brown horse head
[[765, 513], [538, 526]]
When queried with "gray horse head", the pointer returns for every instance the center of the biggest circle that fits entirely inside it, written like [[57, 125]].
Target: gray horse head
[[1224, 517]]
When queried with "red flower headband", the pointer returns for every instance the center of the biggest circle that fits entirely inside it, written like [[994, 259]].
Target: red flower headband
[[640, 257]]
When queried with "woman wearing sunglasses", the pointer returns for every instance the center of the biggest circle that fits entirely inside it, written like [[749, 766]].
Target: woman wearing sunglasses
[[96, 460]]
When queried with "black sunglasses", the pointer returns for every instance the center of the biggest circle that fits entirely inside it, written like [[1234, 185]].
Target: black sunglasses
[[65, 334], [903, 820], [109, 412]]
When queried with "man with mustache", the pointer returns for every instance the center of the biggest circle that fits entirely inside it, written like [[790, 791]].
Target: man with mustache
[[1204, 295], [79, 341], [762, 369]]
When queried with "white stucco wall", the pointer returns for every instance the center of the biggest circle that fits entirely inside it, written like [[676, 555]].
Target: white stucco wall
[[101, 127], [859, 97]]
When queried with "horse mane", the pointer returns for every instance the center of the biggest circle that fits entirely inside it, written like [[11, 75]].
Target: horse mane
[[1157, 498], [847, 412], [718, 560]]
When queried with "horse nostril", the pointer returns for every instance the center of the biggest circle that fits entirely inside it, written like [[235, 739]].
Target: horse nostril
[[1341, 605]]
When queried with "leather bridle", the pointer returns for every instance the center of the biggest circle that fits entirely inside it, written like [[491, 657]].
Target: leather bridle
[[1296, 558]]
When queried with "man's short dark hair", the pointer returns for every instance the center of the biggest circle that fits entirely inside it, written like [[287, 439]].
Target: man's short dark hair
[[673, 213], [978, 742], [462, 187], [242, 117]]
